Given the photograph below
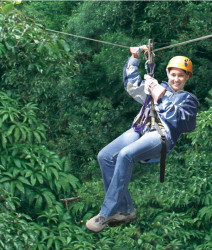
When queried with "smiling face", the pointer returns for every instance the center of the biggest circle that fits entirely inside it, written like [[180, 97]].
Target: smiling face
[[177, 79]]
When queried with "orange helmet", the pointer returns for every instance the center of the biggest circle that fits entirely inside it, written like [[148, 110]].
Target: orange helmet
[[181, 62]]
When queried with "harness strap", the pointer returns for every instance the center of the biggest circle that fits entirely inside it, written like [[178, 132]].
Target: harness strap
[[163, 149], [163, 153], [142, 117], [145, 112]]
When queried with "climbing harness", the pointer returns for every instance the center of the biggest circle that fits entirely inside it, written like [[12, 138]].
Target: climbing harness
[[146, 112]]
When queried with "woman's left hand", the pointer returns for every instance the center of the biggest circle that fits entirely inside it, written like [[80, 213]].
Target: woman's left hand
[[135, 51]]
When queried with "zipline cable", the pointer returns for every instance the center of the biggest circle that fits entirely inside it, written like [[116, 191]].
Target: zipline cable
[[182, 43], [91, 39], [115, 44]]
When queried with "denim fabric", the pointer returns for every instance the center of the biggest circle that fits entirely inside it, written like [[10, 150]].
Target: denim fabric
[[116, 163]]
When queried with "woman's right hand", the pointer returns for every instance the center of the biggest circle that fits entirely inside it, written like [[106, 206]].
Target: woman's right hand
[[153, 88]]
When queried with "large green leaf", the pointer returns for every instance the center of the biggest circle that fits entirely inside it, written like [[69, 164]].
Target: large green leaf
[[6, 8]]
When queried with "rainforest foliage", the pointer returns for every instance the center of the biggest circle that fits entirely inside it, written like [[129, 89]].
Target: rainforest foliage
[[62, 100]]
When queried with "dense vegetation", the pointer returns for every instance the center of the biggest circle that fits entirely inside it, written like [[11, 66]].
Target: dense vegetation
[[62, 100]]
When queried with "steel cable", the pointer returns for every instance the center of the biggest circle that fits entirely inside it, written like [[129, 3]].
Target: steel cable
[[114, 44]]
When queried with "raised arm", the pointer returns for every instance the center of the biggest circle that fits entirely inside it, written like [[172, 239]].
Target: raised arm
[[133, 83]]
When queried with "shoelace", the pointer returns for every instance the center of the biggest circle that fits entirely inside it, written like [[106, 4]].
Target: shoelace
[[100, 219]]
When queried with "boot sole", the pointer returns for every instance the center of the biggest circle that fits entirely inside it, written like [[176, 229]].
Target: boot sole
[[91, 231], [117, 223]]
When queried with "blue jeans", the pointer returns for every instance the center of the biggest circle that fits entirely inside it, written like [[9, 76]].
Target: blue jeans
[[116, 163]]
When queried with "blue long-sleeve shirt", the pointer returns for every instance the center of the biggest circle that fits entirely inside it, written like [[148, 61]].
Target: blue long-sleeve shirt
[[176, 110]]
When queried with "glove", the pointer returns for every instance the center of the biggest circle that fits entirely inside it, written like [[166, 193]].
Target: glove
[[135, 51], [148, 82], [153, 88]]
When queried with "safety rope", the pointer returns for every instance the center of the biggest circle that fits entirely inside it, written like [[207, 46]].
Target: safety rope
[[115, 44]]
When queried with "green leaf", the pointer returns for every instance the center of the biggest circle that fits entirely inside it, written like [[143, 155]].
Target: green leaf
[[73, 181], [40, 178], [11, 204], [11, 118], [5, 116], [64, 183], [37, 136], [64, 44], [59, 208], [38, 203], [206, 212], [42, 134], [58, 185], [55, 172], [17, 134], [17, 163], [16, 172], [2, 167], [20, 186], [2, 50], [24, 180], [3, 141], [33, 180], [7, 8], [17, 1], [48, 197], [4, 179], [28, 173], [10, 130], [3, 160], [14, 152], [49, 243], [24, 133], [55, 164], [12, 187], [29, 136], [48, 174], [57, 245]]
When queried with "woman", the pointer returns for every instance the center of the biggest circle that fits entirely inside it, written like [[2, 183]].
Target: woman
[[176, 113]]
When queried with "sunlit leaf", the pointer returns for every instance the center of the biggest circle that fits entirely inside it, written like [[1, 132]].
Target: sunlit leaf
[[7, 8]]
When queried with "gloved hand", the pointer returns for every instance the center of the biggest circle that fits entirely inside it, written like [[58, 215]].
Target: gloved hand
[[153, 88], [135, 51], [148, 81]]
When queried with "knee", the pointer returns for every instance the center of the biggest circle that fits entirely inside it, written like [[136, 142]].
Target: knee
[[101, 156], [105, 158], [125, 155]]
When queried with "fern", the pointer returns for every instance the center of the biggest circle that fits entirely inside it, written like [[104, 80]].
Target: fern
[[206, 214]]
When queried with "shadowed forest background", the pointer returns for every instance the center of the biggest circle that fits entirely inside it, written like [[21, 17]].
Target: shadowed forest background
[[62, 100]]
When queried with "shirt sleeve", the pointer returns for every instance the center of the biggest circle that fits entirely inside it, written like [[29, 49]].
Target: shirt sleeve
[[133, 83], [179, 111]]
